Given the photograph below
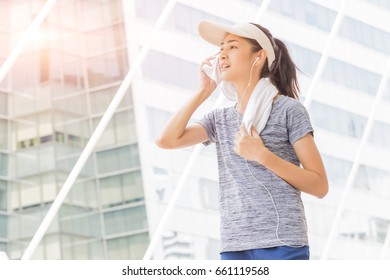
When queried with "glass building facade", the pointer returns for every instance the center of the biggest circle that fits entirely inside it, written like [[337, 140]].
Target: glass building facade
[[54, 96], [51, 102]]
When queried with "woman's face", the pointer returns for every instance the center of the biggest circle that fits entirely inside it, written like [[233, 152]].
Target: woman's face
[[236, 59]]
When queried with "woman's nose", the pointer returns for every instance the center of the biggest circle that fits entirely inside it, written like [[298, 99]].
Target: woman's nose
[[222, 55]]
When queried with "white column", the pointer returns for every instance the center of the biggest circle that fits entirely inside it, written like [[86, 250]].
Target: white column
[[262, 9]]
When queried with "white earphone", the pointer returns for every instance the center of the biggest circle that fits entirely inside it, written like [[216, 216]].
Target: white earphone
[[250, 77]]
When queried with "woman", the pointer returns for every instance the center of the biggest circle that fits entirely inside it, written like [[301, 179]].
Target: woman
[[260, 173]]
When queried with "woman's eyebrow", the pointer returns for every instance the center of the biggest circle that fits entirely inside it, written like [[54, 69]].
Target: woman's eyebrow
[[230, 41]]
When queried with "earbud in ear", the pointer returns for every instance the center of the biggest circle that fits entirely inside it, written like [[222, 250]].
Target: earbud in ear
[[256, 60]]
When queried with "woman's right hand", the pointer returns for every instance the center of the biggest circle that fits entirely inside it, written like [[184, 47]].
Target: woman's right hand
[[207, 85], [177, 133]]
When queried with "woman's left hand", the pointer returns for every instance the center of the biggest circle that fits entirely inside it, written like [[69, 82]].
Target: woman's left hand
[[250, 147]]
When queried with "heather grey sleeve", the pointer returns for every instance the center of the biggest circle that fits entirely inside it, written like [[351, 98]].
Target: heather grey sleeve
[[298, 122], [208, 122]]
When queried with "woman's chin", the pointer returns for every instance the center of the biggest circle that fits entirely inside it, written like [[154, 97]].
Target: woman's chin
[[226, 78]]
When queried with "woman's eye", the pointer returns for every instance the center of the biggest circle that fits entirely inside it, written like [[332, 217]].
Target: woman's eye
[[229, 47]]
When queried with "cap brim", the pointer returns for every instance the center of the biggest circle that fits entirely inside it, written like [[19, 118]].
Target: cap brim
[[214, 33]]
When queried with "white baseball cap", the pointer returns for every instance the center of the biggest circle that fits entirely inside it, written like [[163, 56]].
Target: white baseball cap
[[214, 33]]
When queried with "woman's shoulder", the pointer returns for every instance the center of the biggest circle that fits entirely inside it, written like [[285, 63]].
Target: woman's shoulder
[[224, 111], [289, 107], [288, 101], [222, 114]]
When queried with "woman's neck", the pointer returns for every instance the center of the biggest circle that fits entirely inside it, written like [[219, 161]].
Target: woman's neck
[[244, 92]]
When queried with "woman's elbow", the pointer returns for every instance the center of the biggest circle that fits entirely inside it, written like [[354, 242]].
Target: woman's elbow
[[323, 190], [162, 142]]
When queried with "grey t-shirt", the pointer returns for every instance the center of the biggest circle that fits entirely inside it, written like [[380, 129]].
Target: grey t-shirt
[[249, 219]]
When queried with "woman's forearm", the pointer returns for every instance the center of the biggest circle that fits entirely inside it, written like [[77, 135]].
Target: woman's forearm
[[175, 127], [310, 179], [305, 180]]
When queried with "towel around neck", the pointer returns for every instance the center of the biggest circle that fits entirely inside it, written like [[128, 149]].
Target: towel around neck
[[260, 103]]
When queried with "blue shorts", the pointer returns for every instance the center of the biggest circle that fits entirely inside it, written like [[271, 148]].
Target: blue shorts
[[274, 253]]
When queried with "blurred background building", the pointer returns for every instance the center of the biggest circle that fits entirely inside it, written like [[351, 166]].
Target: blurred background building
[[54, 96]]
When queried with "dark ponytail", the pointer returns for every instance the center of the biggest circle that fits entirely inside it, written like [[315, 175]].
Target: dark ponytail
[[282, 72]]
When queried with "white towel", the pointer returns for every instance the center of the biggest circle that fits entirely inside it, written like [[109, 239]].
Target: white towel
[[214, 72], [260, 103]]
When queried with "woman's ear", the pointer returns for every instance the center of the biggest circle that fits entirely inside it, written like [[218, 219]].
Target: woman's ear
[[261, 56]]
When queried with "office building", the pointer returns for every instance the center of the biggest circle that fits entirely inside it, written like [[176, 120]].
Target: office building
[[51, 102]]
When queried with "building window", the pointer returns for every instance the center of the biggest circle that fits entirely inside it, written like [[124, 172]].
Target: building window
[[121, 189], [3, 103], [156, 120], [3, 134], [75, 105], [67, 77], [365, 34], [3, 164], [3, 195], [101, 99], [3, 226], [336, 71], [125, 220], [118, 159], [171, 70], [95, 14], [107, 68], [373, 180], [380, 134], [351, 76], [66, 164], [149, 9], [88, 250], [103, 39], [337, 120], [83, 226], [381, 3], [3, 246], [183, 18], [129, 247], [355, 225], [379, 227], [305, 59], [305, 11], [120, 130], [83, 195], [359, 226], [337, 169]]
